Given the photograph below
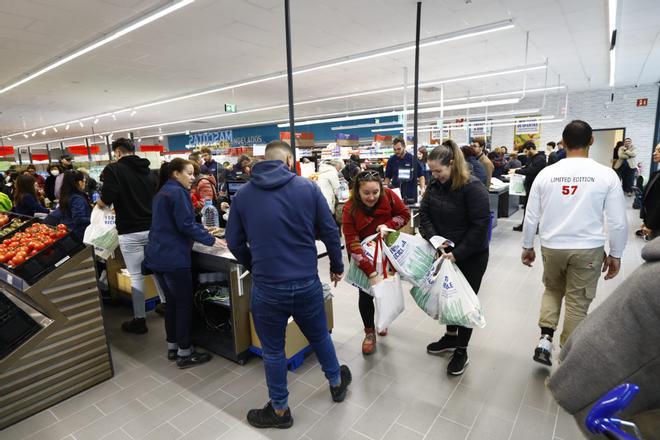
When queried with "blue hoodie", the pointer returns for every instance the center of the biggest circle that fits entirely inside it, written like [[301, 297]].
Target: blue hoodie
[[273, 224], [173, 230]]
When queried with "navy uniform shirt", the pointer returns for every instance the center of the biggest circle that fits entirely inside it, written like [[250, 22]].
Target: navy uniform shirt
[[400, 172]]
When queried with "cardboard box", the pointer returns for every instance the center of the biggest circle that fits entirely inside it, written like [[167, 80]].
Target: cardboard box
[[124, 285], [295, 340]]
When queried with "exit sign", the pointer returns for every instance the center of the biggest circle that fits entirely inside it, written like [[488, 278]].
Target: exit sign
[[230, 108], [642, 102]]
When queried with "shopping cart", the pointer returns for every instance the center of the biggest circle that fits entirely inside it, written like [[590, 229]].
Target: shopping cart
[[602, 420]]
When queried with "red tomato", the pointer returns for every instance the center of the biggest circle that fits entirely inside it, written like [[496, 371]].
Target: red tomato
[[17, 260]]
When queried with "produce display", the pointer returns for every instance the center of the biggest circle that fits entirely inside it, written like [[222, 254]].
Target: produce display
[[10, 226], [23, 245]]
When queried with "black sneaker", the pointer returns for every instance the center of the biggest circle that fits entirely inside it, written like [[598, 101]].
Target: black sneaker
[[446, 343], [518, 228], [171, 354], [458, 362], [339, 392], [136, 325], [267, 418], [195, 358], [543, 351], [160, 309]]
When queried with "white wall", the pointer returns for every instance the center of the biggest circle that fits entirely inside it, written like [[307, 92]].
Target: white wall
[[595, 108]]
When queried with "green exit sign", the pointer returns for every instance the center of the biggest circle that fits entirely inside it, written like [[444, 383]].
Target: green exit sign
[[230, 108]]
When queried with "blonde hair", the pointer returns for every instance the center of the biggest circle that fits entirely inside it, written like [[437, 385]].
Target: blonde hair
[[448, 154]]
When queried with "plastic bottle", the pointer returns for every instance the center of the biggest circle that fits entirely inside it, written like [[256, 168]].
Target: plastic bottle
[[210, 217]]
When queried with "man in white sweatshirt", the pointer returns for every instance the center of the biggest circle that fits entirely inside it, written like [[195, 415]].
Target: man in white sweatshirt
[[569, 203]]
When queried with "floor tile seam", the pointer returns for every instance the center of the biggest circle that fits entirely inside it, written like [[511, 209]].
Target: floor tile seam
[[366, 410], [32, 435], [212, 416], [554, 428], [165, 423], [241, 395], [520, 406], [396, 422], [481, 409], [440, 412]]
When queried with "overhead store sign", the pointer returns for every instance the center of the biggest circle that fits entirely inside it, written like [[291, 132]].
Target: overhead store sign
[[527, 130], [642, 102], [230, 108], [210, 138]]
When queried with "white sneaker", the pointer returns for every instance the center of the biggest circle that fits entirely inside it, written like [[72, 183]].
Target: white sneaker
[[543, 351]]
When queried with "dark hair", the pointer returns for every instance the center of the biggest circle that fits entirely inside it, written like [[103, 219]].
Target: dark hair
[[277, 150], [54, 165], [197, 170], [552, 144], [24, 185], [70, 181], [355, 158], [577, 134], [619, 144], [469, 151], [529, 145], [244, 157], [399, 140], [163, 174], [124, 144], [31, 167], [364, 176], [194, 156], [503, 147], [449, 155], [626, 139], [480, 141], [177, 164], [66, 157], [206, 150], [424, 153]]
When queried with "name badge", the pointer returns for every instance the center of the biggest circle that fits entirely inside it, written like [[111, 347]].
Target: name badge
[[404, 174]]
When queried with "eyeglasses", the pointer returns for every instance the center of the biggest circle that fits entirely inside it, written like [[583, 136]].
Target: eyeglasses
[[368, 175]]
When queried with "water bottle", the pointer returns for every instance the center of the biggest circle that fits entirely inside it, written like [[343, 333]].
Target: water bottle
[[210, 217]]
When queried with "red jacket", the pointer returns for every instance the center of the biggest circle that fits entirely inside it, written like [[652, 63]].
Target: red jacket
[[390, 211]]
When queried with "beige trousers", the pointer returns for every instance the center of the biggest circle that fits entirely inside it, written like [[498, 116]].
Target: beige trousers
[[570, 275]]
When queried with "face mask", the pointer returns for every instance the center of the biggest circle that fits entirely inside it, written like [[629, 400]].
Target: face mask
[[55, 172]]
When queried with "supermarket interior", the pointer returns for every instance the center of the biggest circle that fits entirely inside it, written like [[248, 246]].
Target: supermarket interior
[[329, 219]]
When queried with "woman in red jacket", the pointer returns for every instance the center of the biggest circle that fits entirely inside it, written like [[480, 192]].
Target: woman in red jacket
[[370, 208]]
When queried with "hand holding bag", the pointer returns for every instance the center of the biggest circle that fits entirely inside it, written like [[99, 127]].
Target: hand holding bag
[[388, 294], [101, 232], [458, 304]]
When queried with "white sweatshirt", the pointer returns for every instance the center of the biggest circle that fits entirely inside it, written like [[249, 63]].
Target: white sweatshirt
[[569, 202]]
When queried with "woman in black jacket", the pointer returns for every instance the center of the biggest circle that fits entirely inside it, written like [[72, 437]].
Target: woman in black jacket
[[455, 206], [650, 212]]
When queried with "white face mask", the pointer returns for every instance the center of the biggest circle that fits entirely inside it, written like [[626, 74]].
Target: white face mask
[[55, 172]]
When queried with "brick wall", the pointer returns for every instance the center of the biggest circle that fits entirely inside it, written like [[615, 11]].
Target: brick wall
[[595, 107]]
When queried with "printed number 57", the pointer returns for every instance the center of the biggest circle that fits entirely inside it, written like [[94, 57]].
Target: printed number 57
[[568, 190]]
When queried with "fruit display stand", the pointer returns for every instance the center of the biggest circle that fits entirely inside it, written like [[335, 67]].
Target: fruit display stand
[[65, 350]]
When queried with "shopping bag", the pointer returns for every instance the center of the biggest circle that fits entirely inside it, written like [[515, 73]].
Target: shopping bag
[[517, 185], [427, 294], [458, 304], [388, 295], [355, 276], [101, 232], [410, 255]]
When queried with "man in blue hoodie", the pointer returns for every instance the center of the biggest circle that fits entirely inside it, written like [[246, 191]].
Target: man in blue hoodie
[[277, 243]]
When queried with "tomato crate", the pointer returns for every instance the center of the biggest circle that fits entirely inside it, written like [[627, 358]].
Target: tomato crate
[[45, 259]]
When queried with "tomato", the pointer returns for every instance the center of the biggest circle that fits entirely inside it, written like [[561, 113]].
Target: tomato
[[17, 260], [62, 227], [33, 252]]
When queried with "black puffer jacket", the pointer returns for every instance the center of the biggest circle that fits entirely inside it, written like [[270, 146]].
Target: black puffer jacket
[[462, 216], [532, 169]]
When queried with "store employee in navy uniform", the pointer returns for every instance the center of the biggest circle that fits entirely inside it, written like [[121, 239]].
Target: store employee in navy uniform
[[399, 172]]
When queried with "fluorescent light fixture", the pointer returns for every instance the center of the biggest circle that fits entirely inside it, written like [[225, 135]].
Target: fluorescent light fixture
[[160, 137], [485, 75], [96, 121], [67, 127], [95, 45], [25, 136], [34, 133], [612, 7], [133, 112], [114, 116], [351, 127], [81, 124], [139, 139], [8, 138], [54, 129], [612, 66]]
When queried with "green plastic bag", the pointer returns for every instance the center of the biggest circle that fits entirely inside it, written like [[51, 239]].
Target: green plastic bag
[[410, 255], [5, 202]]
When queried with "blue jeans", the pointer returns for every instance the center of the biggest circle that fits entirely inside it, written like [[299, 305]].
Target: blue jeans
[[272, 304]]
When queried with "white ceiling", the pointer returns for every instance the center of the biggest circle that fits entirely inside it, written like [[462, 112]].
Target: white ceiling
[[215, 42]]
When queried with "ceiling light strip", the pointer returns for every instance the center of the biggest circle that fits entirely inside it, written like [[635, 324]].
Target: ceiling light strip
[[95, 45]]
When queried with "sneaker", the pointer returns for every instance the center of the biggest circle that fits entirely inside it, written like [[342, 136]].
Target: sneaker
[[136, 325], [458, 362], [339, 392], [518, 228], [369, 342], [543, 351], [160, 309], [195, 358], [171, 355], [446, 343], [639, 233], [268, 418], [382, 332]]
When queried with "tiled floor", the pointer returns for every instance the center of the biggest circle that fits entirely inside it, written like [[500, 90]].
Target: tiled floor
[[399, 393]]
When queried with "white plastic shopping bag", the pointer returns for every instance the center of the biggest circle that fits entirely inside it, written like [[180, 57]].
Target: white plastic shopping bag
[[427, 294], [517, 185], [410, 255], [388, 293], [101, 232], [457, 302], [355, 276]]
